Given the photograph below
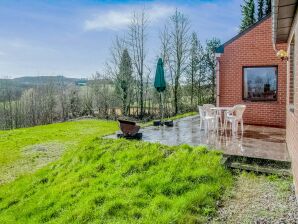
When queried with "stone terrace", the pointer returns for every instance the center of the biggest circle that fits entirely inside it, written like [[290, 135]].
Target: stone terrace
[[256, 142]]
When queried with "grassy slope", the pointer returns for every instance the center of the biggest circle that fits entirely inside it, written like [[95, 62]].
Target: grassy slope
[[61, 136], [28, 149], [11, 142], [117, 181]]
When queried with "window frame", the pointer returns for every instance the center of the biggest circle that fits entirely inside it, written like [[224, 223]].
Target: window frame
[[260, 100]]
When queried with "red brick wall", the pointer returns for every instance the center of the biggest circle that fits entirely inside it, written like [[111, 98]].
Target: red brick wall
[[254, 48], [292, 115]]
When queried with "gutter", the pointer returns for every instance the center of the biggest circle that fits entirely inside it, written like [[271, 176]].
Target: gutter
[[217, 56]]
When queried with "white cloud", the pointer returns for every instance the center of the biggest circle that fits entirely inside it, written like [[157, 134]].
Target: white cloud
[[117, 19], [113, 20], [157, 12]]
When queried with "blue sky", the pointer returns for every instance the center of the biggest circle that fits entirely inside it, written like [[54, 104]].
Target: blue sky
[[73, 38]]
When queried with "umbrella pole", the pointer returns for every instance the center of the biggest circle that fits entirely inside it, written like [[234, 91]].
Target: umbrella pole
[[162, 109]]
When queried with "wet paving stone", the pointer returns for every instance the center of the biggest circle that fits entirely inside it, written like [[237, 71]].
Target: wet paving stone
[[256, 141]]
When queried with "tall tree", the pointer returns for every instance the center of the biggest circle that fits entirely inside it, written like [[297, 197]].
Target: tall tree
[[260, 9], [177, 46], [201, 74], [136, 41], [248, 14], [193, 65], [210, 60], [124, 81], [268, 7]]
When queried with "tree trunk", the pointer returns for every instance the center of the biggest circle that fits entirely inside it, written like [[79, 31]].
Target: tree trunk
[[141, 99]]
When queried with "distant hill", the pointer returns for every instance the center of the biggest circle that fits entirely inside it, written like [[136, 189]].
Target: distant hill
[[18, 85], [31, 81], [28, 81]]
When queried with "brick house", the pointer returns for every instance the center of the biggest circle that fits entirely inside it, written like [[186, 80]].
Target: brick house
[[249, 72]]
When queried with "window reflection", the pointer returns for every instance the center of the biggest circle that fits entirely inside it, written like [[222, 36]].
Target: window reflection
[[260, 83]]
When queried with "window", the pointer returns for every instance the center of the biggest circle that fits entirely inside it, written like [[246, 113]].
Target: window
[[260, 83]]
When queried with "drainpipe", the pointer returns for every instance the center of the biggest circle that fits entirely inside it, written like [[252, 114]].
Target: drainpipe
[[275, 4], [217, 56]]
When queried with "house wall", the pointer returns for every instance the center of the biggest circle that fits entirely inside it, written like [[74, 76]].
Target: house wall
[[292, 115], [254, 48]]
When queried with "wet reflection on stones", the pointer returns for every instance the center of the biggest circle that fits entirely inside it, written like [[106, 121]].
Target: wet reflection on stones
[[256, 142]]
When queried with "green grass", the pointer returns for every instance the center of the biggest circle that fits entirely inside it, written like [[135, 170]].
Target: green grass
[[28, 149], [94, 180], [119, 181], [20, 149]]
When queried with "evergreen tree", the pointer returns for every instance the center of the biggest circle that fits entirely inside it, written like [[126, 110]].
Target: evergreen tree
[[248, 14], [260, 9], [124, 80], [210, 60], [268, 7], [193, 65]]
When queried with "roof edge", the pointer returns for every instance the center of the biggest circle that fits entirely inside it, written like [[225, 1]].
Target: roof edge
[[221, 48]]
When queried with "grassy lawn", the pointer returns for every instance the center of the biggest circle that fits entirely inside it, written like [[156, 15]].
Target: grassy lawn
[[27, 149], [66, 173], [119, 181]]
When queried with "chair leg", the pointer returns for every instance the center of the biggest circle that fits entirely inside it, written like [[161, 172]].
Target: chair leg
[[234, 127], [242, 127], [205, 125], [216, 124], [201, 121]]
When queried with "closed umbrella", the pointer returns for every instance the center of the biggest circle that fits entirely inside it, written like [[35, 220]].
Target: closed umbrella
[[160, 82]]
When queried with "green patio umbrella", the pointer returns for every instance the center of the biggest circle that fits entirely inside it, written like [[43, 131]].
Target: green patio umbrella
[[160, 82]]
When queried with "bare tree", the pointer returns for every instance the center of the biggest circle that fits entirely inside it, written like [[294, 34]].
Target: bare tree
[[116, 51], [136, 42], [175, 42], [103, 94], [62, 97]]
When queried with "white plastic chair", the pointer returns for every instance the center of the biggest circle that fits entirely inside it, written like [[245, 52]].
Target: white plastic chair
[[235, 116], [208, 105], [215, 114], [206, 118]]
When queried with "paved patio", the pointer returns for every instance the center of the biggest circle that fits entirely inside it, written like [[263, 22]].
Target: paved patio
[[256, 142]]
